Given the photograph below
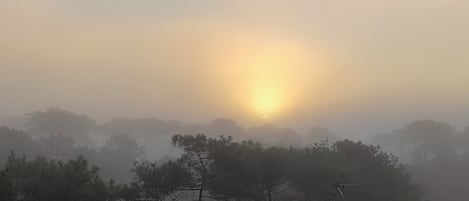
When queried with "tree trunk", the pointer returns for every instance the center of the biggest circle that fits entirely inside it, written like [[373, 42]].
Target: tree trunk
[[269, 194], [201, 191]]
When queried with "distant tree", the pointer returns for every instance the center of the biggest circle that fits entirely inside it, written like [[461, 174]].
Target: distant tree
[[227, 127], [60, 147], [142, 127], [428, 138], [272, 136], [445, 179], [18, 141], [59, 121], [464, 140], [117, 156], [45, 180], [434, 139], [321, 135]]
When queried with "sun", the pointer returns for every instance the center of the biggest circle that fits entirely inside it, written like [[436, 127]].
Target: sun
[[267, 102], [266, 77]]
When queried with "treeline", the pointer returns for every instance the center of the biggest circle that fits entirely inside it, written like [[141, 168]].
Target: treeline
[[435, 153], [222, 169], [115, 158], [87, 131]]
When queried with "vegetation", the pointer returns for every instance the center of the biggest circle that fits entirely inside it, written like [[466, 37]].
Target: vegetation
[[221, 169], [432, 154], [44, 180]]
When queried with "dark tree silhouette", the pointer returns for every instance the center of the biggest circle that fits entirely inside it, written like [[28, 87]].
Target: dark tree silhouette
[[196, 159], [158, 181], [7, 192], [43, 180], [362, 172], [246, 170]]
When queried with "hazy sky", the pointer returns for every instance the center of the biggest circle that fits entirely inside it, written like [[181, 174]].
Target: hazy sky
[[348, 65]]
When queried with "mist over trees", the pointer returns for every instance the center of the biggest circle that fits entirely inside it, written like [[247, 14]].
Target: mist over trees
[[59, 121], [435, 153], [131, 159], [220, 169]]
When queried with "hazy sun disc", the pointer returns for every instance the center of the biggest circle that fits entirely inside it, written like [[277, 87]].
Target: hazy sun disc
[[267, 102], [266, 77]]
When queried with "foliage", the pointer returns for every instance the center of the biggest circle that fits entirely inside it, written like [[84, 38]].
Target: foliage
[[313, 172], [18, 141], [156, 182], [7, 192], [247, 171], [195, 159], [43, 180], [117, 156], [59, 121], [365, 171], [214, 168]]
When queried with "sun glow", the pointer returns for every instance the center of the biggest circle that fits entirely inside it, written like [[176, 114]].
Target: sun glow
[[267, 102], [267, 77]]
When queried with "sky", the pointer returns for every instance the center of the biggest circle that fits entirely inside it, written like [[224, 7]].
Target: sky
[[353, 66]]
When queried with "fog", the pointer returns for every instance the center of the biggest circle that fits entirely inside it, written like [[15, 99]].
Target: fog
[[359, 66], [428, 159], [147, 81]]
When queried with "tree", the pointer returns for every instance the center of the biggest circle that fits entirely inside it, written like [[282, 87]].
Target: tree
[[428, 139], [312, 171], [434, 139], [378, 175], [464, 140], [123, 192], [321, 135], [218, 168], [7, 192], [117, 156], [58, 121], [247, 171], [18, 141], [196, 159], [44, 180], [365, 172], [158, 181]]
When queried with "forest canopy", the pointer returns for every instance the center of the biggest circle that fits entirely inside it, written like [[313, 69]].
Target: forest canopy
[[221, 169]]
